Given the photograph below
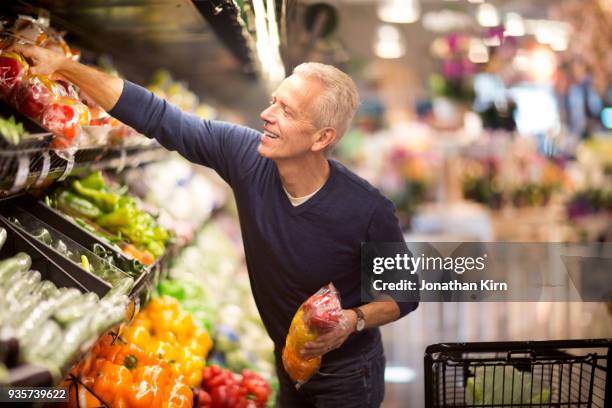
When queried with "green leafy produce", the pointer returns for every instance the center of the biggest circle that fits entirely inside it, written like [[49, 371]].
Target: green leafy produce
[[11, 130], [504, 385], [75, 205], [114, 212]]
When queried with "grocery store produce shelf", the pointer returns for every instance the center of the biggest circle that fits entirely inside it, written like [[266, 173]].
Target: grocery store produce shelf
[[25, 169]]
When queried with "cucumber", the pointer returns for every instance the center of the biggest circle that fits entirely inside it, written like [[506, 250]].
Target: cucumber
[[47, 289], [2, 237], [22, 289], [20, 262], [46, 309], [66, 315], [17, 316], [74, 336], [123, 287], [15, 279], [40, 313], [44, 342], [108, 316]]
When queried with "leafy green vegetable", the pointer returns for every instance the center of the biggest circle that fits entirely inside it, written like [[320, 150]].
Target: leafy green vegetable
[[11, 130]]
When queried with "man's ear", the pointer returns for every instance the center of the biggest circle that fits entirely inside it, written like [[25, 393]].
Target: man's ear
[[325, 138]]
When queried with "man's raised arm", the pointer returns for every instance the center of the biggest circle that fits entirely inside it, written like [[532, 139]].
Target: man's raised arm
[[229, 149]]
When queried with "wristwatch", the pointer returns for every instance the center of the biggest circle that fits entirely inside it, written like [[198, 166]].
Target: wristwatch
[[360, 319]]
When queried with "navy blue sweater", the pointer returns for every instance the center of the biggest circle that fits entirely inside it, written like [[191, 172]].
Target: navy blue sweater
[[291, 252]]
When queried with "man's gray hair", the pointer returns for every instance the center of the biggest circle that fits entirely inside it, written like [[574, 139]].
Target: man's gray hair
[[337, 106]]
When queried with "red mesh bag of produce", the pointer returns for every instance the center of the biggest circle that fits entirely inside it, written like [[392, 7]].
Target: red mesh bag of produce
[[319, 314]]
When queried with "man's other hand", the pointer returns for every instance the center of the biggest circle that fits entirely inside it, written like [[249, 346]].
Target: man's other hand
[[332, 340]]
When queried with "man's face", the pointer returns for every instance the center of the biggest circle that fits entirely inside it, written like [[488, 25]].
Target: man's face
[[288, 130]]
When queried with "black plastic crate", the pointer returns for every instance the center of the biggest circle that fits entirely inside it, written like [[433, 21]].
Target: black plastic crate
[[49, 270], [64, 251], [61, 222], [564, 373]]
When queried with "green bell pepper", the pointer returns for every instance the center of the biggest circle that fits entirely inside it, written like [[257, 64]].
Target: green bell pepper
[[106, 200], [73, 204]]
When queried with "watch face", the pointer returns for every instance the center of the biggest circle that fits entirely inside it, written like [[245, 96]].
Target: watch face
[[360, 324]]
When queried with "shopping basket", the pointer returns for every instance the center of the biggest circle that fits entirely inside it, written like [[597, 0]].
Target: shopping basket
[[564, 373]]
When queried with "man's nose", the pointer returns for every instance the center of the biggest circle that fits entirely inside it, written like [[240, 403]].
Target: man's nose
[[267, 115]]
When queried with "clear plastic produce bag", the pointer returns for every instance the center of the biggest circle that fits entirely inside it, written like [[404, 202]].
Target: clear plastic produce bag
[[504, 385], [319, 314]]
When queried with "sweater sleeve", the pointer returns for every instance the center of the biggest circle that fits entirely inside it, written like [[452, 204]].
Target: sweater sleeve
[[384, 227], [230, 150]]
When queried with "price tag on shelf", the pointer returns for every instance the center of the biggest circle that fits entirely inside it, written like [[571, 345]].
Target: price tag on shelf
[[44, 171], [68, 169], [23, 170]]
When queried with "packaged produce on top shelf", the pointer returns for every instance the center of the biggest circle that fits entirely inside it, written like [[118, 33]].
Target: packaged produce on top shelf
[[11, 131], [209, 279], [52, 324], [177, 93], [111, 214], [185, 198], [57, 105], [120, 374]]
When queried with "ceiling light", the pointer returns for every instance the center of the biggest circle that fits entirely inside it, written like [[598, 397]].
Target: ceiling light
[[389, 42], [487, 15], [478, 53], [446, 20], [476, 1], [399, 11], [492, 41], [542, 64], [521, 61], [559, 43], [515, 27]]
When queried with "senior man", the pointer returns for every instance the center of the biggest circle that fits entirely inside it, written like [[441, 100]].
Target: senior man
[[302, 216]]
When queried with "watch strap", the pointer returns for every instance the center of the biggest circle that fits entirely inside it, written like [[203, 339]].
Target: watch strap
[[360, 317]]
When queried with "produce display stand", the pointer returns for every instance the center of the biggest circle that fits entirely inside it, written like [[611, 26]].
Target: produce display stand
[[559, 373], [28, 224]]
